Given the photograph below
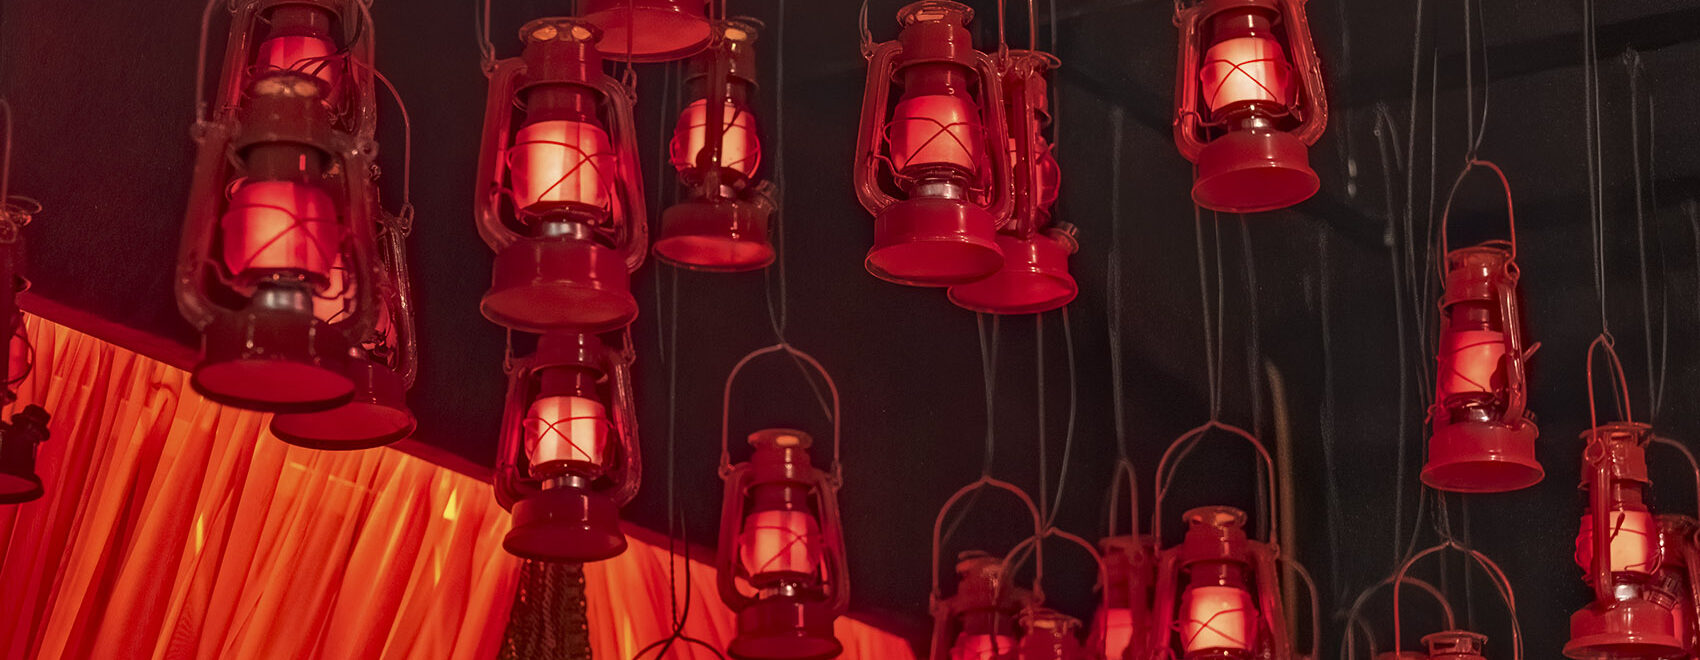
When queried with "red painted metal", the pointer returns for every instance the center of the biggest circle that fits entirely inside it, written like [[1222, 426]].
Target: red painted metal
[[650, 30], [1230, 606]]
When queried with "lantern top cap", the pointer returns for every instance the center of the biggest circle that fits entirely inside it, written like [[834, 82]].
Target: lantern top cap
[[742, 30], [970, 563], [1045, 618], [1455, 642], [1634, 432], [560, 28], [935, 10], [287, 84], [1490, 254], [1217, 517], [780, 439]]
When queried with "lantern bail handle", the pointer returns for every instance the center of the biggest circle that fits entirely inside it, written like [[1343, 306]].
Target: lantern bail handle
[[1018, 555], [1510, 212], [1348, 642], [936, 596], [1124, 473], [1315, 602], [1501, 584], [1620, 384], [1191, 438], [836, 473], [1692, 463]]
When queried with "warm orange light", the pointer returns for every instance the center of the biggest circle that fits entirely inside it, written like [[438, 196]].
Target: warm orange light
[[1243, 70], [1470, 362], [740, 149], [560, 163], [935, 130], [563, 431], [280, 226], [780, 542], [1217, 618], [1116, 623], [1634, 542], [982, 647], [306, 54]]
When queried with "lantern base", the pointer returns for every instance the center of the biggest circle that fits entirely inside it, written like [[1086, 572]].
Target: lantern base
[[1254, 170], [19, 488], [1482, 457], [377, 415], [273, 360], [1034, 279], [543, 285], [930, 241], [658, 30], [785, 629], [722, 236], [565, 524], [1633, 628]]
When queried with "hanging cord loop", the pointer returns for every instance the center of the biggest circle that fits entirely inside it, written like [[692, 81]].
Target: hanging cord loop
[[1620, 385], [1192, 437], [836, 472], [1354, 616], [1501, 583], [936, 597], [1510, 214]]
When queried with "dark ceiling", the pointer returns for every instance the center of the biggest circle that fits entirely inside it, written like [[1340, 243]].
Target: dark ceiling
[[103, 93]]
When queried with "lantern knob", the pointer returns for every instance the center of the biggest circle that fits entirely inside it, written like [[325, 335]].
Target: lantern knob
[[780, 439]]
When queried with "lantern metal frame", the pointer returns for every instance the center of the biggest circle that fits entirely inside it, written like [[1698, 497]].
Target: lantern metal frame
[[589, 509], [27, 429], [608, 15], [1034, 610], [242, 324], [1355, 625], [616, 243], [1008, 601], [784, 622], [966, 223], [1463, 640]]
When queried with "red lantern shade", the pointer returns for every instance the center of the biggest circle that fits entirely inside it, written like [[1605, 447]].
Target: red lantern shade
[[577, 225], [1483, 440], [1249, 100], [780, 534], [650, 30], [1130, 571], [1626, 618], [942, 144], [1455, 645], [980, 622], [723, 225], [1230, 607], [568, 457], [281, 195]]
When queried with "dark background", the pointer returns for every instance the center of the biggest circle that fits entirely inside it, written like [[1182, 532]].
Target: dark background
[[1333, 294]]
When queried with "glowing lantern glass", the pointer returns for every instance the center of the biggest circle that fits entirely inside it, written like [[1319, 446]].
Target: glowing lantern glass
[[780, 535], [281, 195], [558, 144], [981, 620], [568, 456], [1249, 102], [1034, 277], [723, 225], [650, 30], [943, 145], [1130, 572], [1455, 645], [1483, 440], [1229, 607], [1626, 619]]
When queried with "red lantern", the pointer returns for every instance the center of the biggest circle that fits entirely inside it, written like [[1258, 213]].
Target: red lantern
[[282, 193], [1626, 618], [382, 367], [568, 456], [569, 168], [1455, 645], [19, 439], [942, 144], [723, 225], [1245, 113], [1230, 606], [1130, 571], [1035, 276], [980, 621], [650, 30], [1483, 441]]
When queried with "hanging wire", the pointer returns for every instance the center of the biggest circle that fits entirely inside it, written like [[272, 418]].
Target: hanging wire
[[1039, 405], [1655, 373], [1073, 408], [989, 371], [1114, 285], [486, 49]]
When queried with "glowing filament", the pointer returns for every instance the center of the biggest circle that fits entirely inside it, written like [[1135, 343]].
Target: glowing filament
[[1246, 69], [1217, 618], [740, 149], [280, 226], [935, 131], [560, 163], [563, 431], [780, 542]]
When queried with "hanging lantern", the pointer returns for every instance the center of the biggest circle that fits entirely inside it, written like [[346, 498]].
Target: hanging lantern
[[980, 622], [650, 30], [723, 225], [1626, 618], [568, 456], [1248, 102], [1483, 440], [942, 145], [1034, 277], [28, 429], [782, 561], [568, 166], [1230, 605], [382, 367], [1455, 645], [282, 192], [1130, 573], [1047, 634]]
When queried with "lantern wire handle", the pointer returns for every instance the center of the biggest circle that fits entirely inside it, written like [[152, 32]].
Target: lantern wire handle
[[867, 35], [837, 470], [1315, 603], [201, 59], [1191, 438], [1692, 463], [1017, 556], [406, 211], [1348, 641], [937, 595], [1510, 212], [1620, 385], [1501, 583], [486, 48]]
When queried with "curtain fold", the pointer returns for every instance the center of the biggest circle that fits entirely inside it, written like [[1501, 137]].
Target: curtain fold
[[176, 528]]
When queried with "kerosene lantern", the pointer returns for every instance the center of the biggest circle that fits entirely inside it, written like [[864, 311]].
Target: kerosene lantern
[[1617, 548], [1035, 276], [1248, 103], [1229, 604], [382, 365], [981, 621], [28, 428], [568, 455], [942, 145], [560, 195], [722, 225], [1483, 439], [650, 30], [282, 193], [782, 563], [1130, 569]]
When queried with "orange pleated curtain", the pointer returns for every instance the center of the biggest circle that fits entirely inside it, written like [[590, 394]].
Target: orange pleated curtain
[[176, 528]]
